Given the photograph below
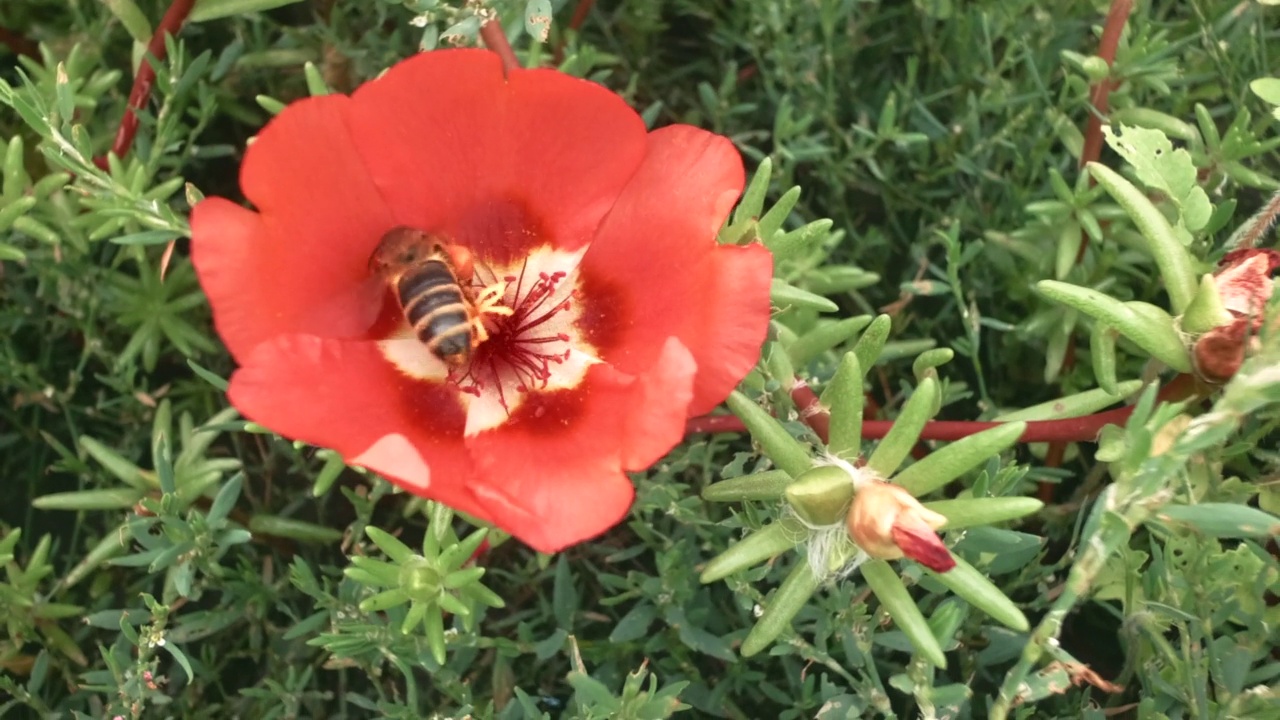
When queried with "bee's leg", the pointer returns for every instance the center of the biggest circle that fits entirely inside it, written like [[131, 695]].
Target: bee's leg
[[487, 302]]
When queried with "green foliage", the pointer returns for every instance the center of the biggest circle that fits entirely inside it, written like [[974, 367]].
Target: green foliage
[[917, 174]]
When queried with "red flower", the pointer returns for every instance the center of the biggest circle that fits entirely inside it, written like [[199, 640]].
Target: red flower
[[616, 314], [1244, 284]]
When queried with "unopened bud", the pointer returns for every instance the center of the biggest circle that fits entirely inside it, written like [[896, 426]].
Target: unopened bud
[[887, 523]]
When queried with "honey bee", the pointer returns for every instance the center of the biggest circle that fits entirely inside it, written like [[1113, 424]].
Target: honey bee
[[437, 300]]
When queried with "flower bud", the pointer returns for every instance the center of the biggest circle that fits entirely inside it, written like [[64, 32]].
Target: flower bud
[[887, 523]]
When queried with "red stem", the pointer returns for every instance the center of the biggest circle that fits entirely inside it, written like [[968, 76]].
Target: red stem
[[580, 12], [170, 24], [1079, 429], [1099, 97], [496, 40], [19, 44]]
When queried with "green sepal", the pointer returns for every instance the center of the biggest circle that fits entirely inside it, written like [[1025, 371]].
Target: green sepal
[[974, 587], [1147, 329], [761, 545], [1206, 310], [767, 485], [892, 593], [790, 597], [904, 434], [785, 451], [1175, 263], [1085, 403], [821, 496], [844, 397], [972, 512], [942, 466]]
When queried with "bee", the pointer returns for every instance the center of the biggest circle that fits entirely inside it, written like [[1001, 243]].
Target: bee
[[435, 297]]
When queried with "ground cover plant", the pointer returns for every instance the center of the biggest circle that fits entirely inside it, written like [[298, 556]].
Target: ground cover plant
[[962, 404]]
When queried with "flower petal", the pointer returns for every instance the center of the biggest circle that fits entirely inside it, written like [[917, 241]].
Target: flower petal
[[655, 270], [301, 263], [923, 545], [553, 474], [1244, 280], [345, 395], [499, 164]]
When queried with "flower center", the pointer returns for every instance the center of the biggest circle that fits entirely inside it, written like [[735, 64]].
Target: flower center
[[525, 331], [526, 340]]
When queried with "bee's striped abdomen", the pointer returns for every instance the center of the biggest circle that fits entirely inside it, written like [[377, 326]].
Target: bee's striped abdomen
[[436, 309]]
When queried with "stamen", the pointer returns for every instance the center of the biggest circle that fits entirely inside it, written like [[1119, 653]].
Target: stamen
[[508, 350]]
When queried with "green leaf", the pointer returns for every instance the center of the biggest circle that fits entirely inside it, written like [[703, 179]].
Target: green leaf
[[974, 587], [790, 597], [823, 337], [293, 529], [1222, 520], [397, 551], [1175, 263], [1149, 327], [1267, 88], [1161, 167], [767, 485], [784, 295], [763, 544], [205, 10], [905, 433], [970, 512], [892, 593], [844, 397], [104, 499], [537, 19], [1085, 403], [785, 451], [944, 465]]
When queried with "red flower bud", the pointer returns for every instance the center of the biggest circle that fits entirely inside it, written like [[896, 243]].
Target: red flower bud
[[887, 523]]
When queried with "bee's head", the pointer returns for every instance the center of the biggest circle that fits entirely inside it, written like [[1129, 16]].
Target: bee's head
[[401, 247]]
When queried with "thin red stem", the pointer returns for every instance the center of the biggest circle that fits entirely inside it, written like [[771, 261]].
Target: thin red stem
[[19, 44], [1079, 429], [580, 12], [496, 40], [1099, 97], [170, 24]]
